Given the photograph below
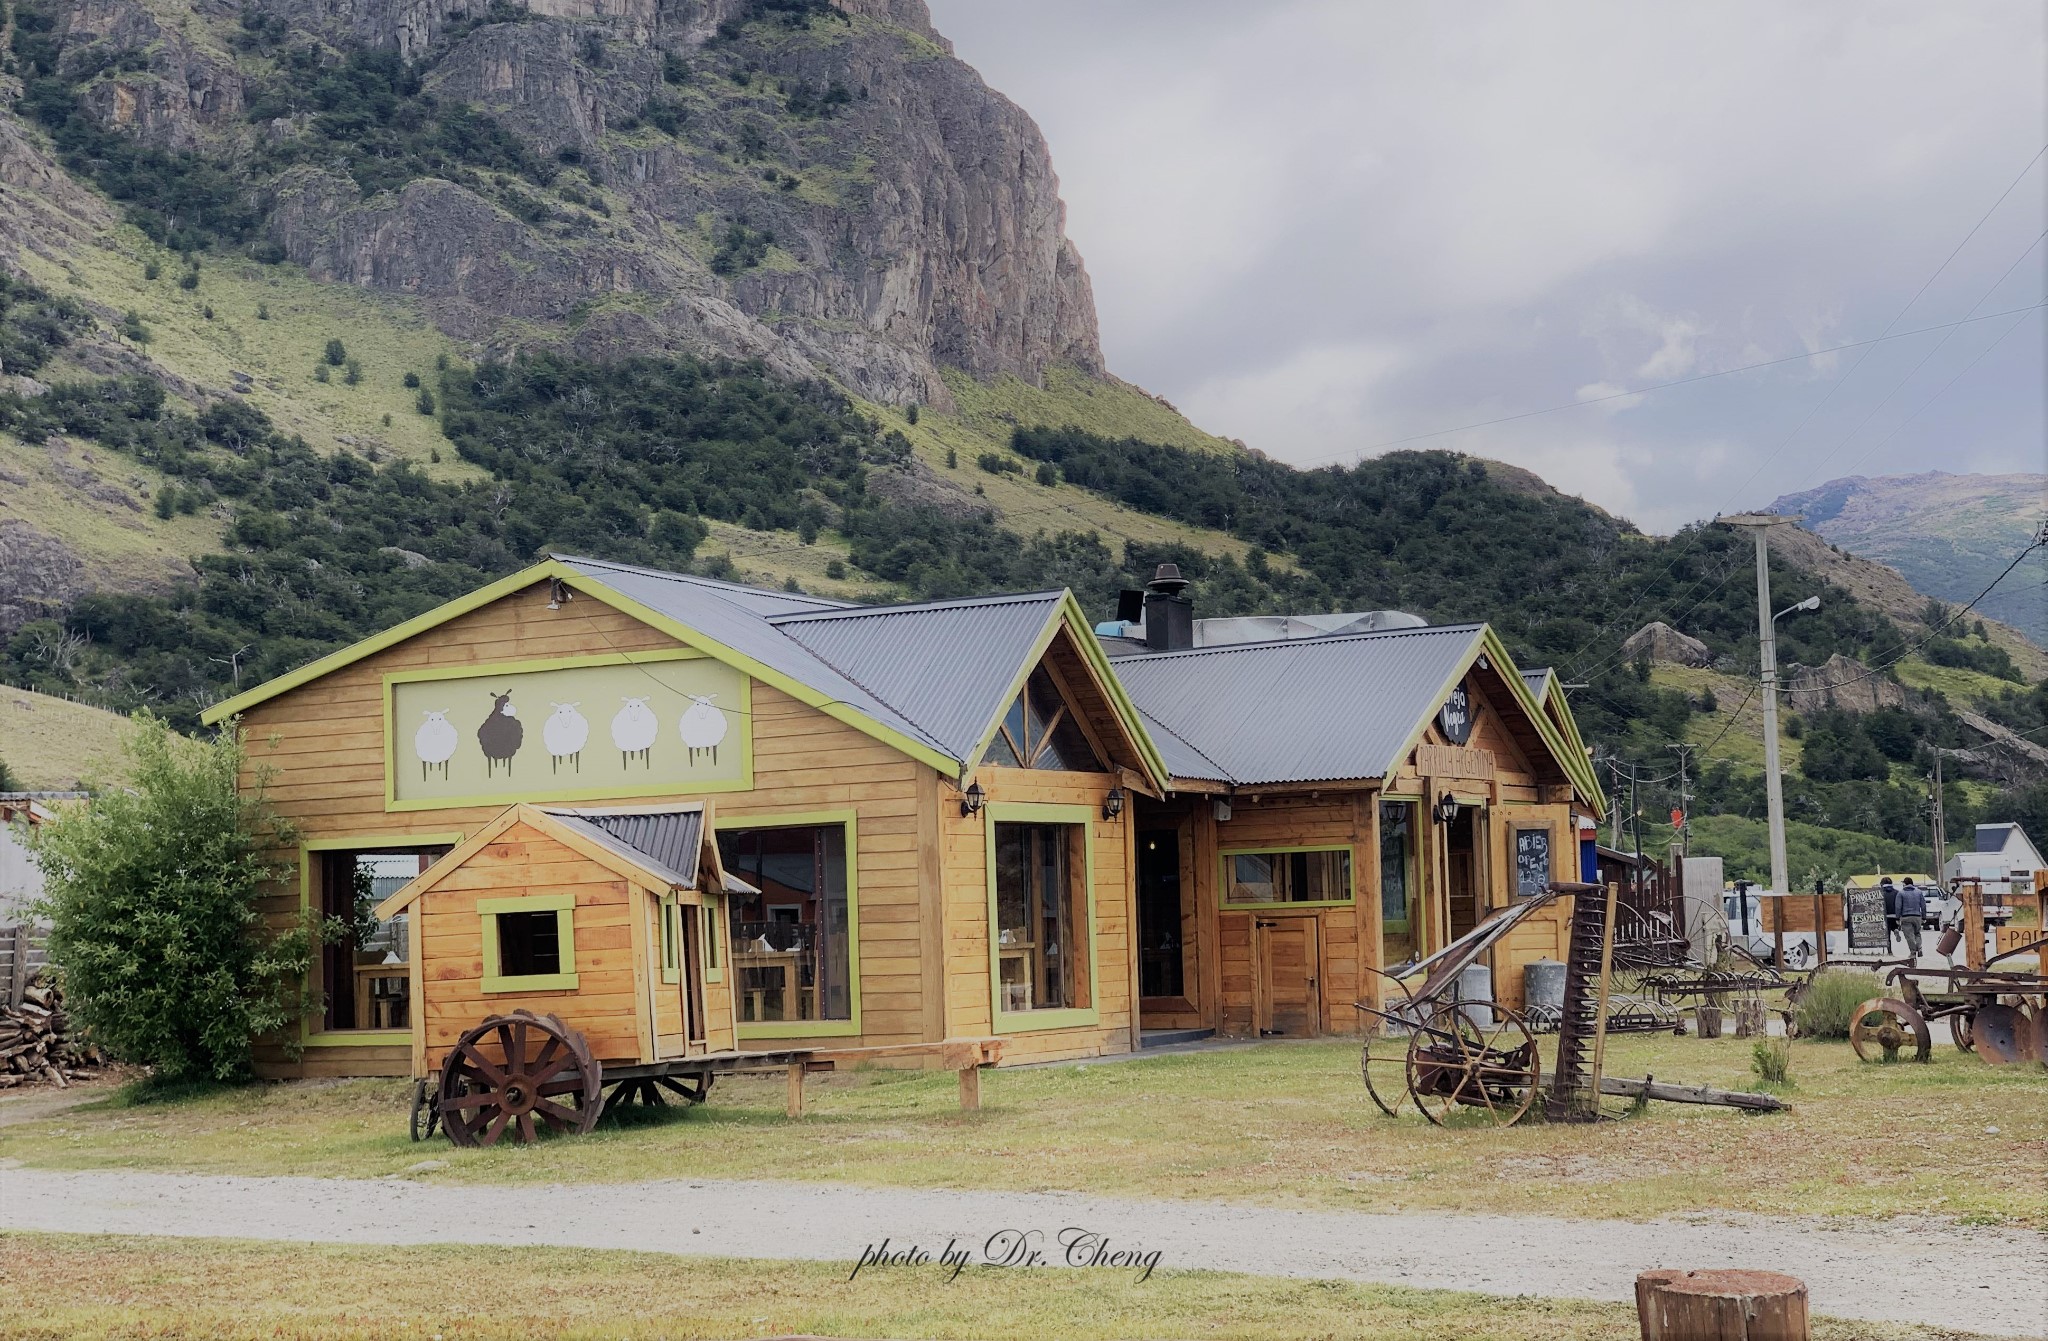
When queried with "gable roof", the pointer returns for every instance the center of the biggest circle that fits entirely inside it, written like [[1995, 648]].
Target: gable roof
[[645, 845], [930, 678], [1342, 707], [1999, 837]]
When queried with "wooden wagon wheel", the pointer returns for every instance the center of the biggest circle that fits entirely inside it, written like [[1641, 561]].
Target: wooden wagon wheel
[[1454, 1062], [426, 1111], [1883, 1023], [1391, 1061], [512, 1069]]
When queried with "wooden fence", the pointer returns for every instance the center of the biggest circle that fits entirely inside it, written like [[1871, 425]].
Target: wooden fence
[[21, 954]]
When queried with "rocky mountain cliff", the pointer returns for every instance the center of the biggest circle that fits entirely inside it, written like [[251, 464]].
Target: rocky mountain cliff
[[821, 186], [1949, 535]]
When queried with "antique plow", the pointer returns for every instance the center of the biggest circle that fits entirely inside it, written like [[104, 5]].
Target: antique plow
[[2001, 1015]]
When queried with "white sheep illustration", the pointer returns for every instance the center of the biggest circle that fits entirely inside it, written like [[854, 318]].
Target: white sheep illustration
[[434, 743], [565, 733], [634, 730], [702, 726]]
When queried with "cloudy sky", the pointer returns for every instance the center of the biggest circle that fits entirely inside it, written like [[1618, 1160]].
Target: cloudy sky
[[1323, 226]]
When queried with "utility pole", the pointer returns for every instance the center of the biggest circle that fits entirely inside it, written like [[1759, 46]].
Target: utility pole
[[1940, 823], [1684, 834], [1759, 524]]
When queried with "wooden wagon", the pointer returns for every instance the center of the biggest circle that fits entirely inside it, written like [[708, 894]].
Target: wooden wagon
[[568, 960]]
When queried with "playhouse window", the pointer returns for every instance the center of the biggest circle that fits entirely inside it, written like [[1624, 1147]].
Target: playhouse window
[[1319, 876], [792, 944], [1041, 731], [529, 943], [1041, 917]]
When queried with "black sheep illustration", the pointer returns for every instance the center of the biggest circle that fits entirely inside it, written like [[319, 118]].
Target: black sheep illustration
[[501, 734]]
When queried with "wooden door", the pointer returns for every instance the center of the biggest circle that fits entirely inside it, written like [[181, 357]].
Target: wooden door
[[1286, 1002]]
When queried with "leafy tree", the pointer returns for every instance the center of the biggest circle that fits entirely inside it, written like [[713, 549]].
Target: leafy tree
[[8, 782], [152, 892], [336, 353]]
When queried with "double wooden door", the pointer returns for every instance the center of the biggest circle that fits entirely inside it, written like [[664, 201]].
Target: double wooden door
[[1286, 986]]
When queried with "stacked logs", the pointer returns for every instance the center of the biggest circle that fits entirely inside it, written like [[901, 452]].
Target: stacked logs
[[34, 1042]]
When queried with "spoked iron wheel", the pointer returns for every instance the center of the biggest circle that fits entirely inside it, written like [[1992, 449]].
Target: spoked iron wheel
[[1456, 1063], [656, 1091], [426, 1111], [1959, 1028], [1383, 1058], [1882, 1025], [515, 1073]]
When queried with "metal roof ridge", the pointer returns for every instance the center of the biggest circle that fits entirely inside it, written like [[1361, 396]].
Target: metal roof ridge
[[1320, 640], [710, 584], [1222, 773], [855, 611]]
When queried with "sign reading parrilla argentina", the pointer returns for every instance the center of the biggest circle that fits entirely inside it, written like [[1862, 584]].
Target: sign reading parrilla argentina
[[581, 728], [1451, 761]]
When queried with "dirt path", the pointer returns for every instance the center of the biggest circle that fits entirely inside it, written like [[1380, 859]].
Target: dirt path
[[1897, 1271]]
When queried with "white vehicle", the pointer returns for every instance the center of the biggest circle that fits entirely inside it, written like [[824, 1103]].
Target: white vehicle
[[1748, 930]]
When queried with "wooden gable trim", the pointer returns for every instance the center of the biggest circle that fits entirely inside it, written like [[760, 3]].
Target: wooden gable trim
[[1088, 653]]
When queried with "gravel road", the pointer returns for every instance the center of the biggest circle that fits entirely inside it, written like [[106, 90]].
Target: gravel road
[[1983, 1280]]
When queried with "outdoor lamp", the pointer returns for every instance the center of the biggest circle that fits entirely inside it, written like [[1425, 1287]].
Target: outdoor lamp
[[1446, 809], [1113, 804], [972, 800]]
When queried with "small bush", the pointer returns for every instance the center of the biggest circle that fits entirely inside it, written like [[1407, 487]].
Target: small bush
[[320, 372], [207, 311], [952, 459], [336, 353], [189, 280], [412, 381], [1771, 1059], [153, 894], [387, 424], [263, 311], [150, 270], [133, 328], [425, 404], [353, 373], [1047, 474], [1824, 1007], [995, 463], [267, 252], [910, 412], [835, 570]]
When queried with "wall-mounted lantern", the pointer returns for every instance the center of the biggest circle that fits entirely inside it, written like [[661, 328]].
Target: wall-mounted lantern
[[972, 800], [1446, 809], [1113, 804]]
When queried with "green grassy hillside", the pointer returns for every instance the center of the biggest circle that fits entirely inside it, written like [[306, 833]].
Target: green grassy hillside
[[52, 744]]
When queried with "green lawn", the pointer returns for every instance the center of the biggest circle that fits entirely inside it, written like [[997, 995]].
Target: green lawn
[[125, 1287], [1285, 1124]]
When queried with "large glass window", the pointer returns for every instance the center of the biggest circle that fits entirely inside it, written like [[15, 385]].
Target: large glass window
[[1321, 876], [1161, 971], [1397, 881], [363, 969], [1040, 731], [792, 944], [1041, 917]]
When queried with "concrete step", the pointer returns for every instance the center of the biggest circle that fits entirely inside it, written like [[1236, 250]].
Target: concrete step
[[1164, 1038]]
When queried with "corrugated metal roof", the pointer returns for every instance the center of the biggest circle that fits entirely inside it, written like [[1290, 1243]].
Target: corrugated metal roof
[[946, 665], [668, 843], [1305, 710], [1183, 760], [719, 612], [1538, 681]]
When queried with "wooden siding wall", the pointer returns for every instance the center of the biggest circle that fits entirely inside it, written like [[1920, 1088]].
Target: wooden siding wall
[[609, 1003], [966, 921], [1328, 819], [918, 876]]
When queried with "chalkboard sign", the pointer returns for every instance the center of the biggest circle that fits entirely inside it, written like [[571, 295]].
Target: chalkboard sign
[[1454, 719], [1532, 862], [1863, 909]]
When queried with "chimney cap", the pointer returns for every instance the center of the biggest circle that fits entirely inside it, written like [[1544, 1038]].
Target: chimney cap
[[1166, 580]]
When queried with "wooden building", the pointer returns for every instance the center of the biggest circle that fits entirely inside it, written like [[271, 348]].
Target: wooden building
[[1338, 802], [926, 805]]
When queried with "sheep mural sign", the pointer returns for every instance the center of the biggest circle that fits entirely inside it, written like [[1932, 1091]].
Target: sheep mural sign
[[583, 729]]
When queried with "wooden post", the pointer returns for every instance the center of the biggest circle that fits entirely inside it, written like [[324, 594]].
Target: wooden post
[[796, 1089], [970, 1089], [17, 965], [1820, 926], [1708, 1019], [1606, 978], [1721, 1306], [1973, 923], [1749, 1016], [1777, 907]]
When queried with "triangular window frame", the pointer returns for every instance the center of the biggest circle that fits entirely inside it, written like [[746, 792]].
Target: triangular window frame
[[1041, 729]]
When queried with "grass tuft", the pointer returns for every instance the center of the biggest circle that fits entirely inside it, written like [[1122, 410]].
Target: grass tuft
[[1825, 1007]]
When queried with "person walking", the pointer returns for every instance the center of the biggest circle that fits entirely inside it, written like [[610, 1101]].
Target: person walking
[[1891, 911], [1912, 905]]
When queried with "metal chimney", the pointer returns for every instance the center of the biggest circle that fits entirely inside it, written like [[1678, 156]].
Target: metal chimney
[[1169, 611]]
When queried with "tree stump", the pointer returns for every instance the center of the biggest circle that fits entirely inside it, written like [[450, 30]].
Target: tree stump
[[1709, 1018], [1721, 1306], [1749, 1017]]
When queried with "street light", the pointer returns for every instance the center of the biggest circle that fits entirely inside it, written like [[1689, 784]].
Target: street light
[[1759, 524], [1810, 603]]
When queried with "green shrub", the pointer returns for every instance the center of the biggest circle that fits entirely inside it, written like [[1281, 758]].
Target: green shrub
[[997, 464], [152, 896], [1824, 1007], [835, 570], [336, 353], [353, 372], [1771, 1059], [150, 269], [412, 381], [952, 459], [425, 404], [189, 280], [263, 311]]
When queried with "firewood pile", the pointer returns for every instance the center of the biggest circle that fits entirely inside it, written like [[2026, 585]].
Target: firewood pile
[[35, 1047]]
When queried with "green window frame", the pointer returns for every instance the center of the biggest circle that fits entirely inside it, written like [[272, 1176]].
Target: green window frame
[[848, 820], [671, 940], [1030, 812], [714, 950], [310, 1034], [1226, 880], [563, 906]]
